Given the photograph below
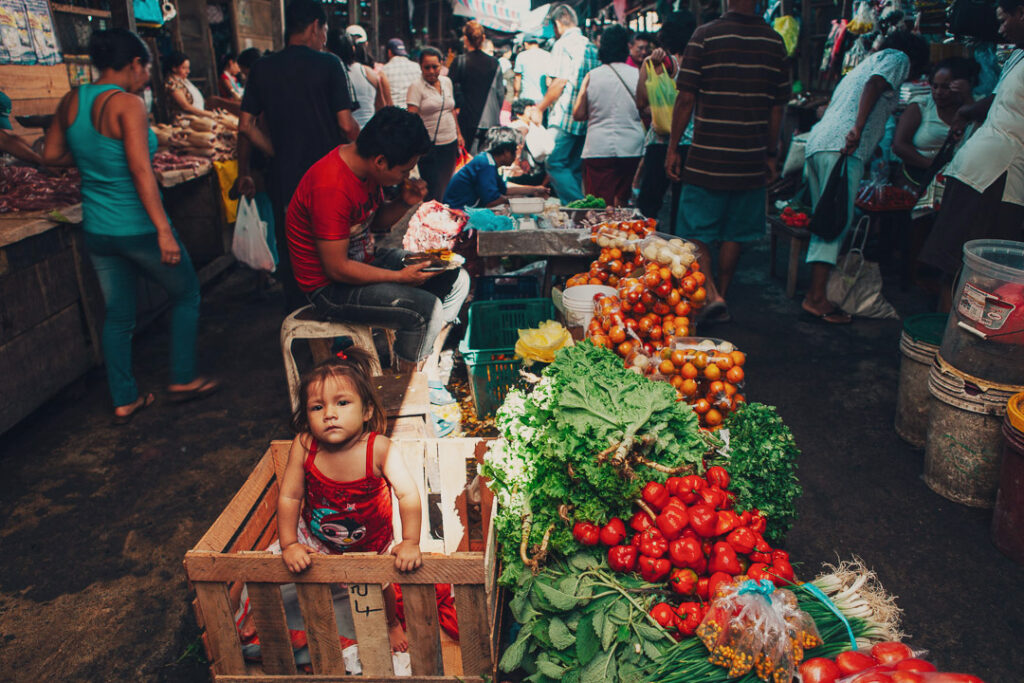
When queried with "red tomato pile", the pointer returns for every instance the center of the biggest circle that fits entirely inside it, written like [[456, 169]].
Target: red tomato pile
[[795, 219], [696, 542], [887, 663]]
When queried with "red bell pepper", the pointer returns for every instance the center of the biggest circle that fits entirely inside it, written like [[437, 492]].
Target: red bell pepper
[[703, 519], [685, 552], [614, 532], [672, 521], [675, 502], [702, 587], [717, 476], [664, 615], [716, 580], [727, 521], [782, 571], [586, 533], [745, 517], [652, 569], [712, 495], [683, 581], [653, 543], [688, 617], [641, 521], [756, 571], [700, 566], [761, 545], [723, 559], [622, 558], [674, 485], [690, 489], [763, 558], [780, 555], [655, 495], [758, 523], [741, 539]]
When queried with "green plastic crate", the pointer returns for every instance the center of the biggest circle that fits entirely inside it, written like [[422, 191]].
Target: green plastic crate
[[489, 347]]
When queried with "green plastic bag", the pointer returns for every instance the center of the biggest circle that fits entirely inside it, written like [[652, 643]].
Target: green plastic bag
[[661, 93], [789, 28]]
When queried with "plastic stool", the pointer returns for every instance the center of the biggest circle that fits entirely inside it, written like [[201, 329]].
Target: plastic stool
[[305, 323]]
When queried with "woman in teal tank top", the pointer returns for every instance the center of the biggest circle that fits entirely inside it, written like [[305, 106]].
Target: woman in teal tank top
[[105, 127]]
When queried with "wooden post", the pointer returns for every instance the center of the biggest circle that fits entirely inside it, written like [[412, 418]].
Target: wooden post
[[122, 14]]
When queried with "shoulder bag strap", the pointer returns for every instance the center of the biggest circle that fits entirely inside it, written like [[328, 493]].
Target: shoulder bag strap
[[623, 82]]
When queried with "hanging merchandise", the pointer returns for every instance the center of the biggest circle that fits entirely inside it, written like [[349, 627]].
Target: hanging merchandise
[[974, 19], [789, 28], [169, 10], [931, 16], [833, 44], [15, 38], [864, 19], [855, 55], [149, 12]]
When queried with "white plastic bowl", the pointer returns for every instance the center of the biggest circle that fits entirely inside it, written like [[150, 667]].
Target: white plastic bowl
[[526, 205]]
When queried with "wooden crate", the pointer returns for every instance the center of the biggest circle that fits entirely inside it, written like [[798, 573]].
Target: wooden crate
[[229, 555]]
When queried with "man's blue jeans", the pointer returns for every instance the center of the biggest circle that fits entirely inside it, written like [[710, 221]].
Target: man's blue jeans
[[118, 262], [417, 314], [565, 166]]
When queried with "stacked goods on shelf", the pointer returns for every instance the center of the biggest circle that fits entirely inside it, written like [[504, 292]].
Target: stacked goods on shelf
[[211, 137]]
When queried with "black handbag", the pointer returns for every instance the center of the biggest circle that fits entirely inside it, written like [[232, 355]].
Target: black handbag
[[974, 19], [830, 215]]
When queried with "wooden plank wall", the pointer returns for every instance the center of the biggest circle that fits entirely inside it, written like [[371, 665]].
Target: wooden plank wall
[[33, 89], [257, 24]]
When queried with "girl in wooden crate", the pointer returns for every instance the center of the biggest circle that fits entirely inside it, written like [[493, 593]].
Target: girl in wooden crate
[[336, 492]]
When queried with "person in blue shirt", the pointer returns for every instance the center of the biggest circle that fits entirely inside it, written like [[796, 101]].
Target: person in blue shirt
[[479, 184]]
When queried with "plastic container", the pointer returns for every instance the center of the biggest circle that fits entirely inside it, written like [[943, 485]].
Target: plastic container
[[578, 303], [502, 287], [489, 347], [526, 205], [965, 418], [919, 343], [1008, 516], [984, 336]]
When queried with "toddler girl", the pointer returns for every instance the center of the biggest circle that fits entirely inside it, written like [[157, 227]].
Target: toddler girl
[[340, 474]]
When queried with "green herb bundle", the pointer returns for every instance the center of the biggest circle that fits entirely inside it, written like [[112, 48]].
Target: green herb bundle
[[582, 623]]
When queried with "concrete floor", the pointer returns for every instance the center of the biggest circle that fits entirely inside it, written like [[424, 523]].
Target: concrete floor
[[96, 519]]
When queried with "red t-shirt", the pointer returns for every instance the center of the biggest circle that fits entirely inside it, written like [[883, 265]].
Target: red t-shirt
[[330, 203]]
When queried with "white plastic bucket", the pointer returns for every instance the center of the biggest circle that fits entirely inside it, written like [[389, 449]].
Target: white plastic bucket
[[578, 302]]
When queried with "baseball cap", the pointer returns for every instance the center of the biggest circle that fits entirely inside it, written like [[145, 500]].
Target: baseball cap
[[357, 33], [397, 47]]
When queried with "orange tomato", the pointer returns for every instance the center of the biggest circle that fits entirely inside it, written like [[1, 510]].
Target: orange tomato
[[716, 387], [712, 418], [683, 309], [617, 334], [737, 400], [702, 406], [700, 360], [676, 381], [695, 266], [699, 277], [594, 281], [666, 368], [665, 273], [631, 324], [735, 375], [656, 332], [730, 389], [601, 340], [644, 326], [723, 361], [652, 279], [712, 373], [699, 295], [738, 357], [678, 358], [625, 348], [689, 285], [615, 252], [689, 371], [673, 298], [689, 388]]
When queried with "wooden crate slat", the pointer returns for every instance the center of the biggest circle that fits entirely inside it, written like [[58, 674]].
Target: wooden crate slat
[[222, 644], [486, 496], [317, 607], [279, 452], [491, 558], [268, 613], [370, 621], [198, 612], [474, 631], [264, 517], [227, 523], [451, 456], [458, 568], [412, 453], [421, 622], [349, 679]]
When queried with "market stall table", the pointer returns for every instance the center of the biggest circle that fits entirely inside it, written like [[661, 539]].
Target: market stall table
[[567, 251]]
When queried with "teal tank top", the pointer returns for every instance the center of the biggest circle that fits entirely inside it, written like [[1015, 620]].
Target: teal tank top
[[110, 202]]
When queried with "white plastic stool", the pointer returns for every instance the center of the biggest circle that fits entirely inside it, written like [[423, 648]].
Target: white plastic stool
[[305, 323]]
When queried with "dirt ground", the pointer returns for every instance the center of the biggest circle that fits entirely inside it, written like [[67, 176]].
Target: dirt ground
[[96, 518]]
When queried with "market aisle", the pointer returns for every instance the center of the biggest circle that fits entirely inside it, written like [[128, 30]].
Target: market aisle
[[97, 519]]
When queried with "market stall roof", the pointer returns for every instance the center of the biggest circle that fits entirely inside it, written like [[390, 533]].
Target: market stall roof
[[509, 16]]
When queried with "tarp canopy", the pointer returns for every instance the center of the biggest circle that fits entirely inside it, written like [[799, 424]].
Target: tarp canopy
[[500, 15]]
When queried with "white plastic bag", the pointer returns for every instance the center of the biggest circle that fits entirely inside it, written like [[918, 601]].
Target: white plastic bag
[[249, 244], [855, 284]]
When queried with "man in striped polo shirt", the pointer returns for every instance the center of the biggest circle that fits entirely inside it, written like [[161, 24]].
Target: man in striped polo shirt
[[735, 79]]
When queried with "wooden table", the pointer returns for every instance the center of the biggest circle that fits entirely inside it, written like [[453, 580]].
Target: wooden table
[[406, 402]]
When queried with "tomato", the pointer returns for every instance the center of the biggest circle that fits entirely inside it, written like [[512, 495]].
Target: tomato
[[601, 340], [699, 296], [689, 285], [735, 375], [716, 388], [702, 406], [652, 279], [873, 677], [689, 388], [676, 381], [683, 309], [712, 373], [713, 418], [819, 670], [615, 252], [906, 677], [673, 298], [851, 662], [700, 360], [625, 348], [689, 371], [666, 368], [914, 664], [699, 277], [890, 653], [724, 362], [678, 358]]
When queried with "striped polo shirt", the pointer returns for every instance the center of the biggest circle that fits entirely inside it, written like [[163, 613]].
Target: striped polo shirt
[[736, 67]]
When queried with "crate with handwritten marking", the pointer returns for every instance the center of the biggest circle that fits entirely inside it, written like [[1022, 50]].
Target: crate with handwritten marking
[[232, 556]]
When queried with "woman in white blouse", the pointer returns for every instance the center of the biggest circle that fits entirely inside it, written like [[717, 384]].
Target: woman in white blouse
[[615, 136], [432, 97]]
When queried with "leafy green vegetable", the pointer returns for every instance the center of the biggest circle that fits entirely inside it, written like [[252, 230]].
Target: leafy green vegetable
[[588, 202], [762, 465], [547, 458]]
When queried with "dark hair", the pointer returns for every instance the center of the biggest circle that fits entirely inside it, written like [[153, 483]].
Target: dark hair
[[563, 14], [644, 35], [227, 59], [1010, 5], [519, 106], [501, 139], [959, 68], [912, 45], [116, 48], [614, 44], [356, 368], [174, 60], [363, 55], [248, 57], [429, 51], [340, 43], [474, 34], [395, 134], [675, 33], [299, 14]]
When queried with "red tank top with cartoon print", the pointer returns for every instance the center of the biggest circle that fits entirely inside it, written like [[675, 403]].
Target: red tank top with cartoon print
[[348, 516]]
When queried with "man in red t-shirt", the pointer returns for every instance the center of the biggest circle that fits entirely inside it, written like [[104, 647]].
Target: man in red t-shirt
[[332, 216]]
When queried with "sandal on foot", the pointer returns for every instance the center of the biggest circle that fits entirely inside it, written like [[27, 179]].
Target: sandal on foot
[[834, 316], [207, 387], [146, 402], [717, 312]]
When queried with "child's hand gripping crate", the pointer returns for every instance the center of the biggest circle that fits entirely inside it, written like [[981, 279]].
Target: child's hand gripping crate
[[230, 555]]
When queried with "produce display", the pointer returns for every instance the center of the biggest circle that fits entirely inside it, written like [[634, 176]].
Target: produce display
[[588, 202], [885, 662], [433, 226], [539, 345], [795, 218], [23, 188], [211, 137]]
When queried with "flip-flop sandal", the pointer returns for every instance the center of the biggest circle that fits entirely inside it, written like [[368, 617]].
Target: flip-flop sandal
[[120, 420], [207, 388], [824, 318], [715, 313]]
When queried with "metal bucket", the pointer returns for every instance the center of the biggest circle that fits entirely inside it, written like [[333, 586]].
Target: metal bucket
[[919, 343], [965, 420]]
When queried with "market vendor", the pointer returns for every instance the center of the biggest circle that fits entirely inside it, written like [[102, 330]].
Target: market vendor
[[11, 143], [185, 97], [331, 219], [479, 183]]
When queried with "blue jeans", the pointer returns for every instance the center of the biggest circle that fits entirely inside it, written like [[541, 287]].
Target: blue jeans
[[417, 314], [565, 166], [118, 262]]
